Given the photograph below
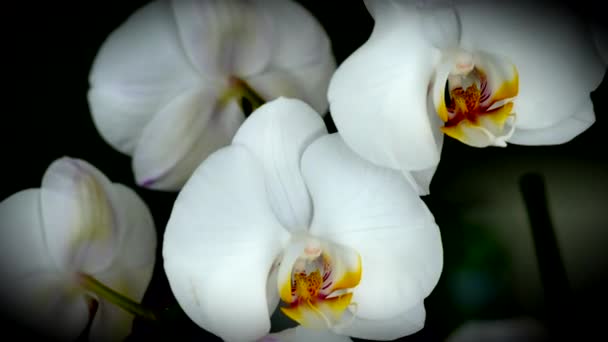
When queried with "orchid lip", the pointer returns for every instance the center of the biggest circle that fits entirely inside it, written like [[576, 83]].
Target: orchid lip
[[317, 281], [477, 103]]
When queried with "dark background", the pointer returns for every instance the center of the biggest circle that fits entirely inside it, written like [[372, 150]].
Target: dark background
[[48, 51]]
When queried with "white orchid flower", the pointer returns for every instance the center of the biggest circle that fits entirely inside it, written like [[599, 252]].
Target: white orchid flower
[[167, 85], [290, 213], [485, 73], [55, 239]]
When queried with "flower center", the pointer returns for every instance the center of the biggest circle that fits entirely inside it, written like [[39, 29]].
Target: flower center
[[476, 107], [314, 281], [463, 102], [240, 91]]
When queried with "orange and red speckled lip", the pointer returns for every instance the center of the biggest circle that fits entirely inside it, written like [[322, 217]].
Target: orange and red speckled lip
[[328, 300], [484, 121]]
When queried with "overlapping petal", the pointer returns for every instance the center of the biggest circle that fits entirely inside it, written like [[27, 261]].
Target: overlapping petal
[[377, 213], [302, 334], [224, 38], [220, 245], [301, 62], [32, 291], [406, 323], [554, 55], [381, 89], [277, 135], [131, 269], [561, 132], [140, 67], [78, 217], [181, 136], [77, 222], [144, 89]]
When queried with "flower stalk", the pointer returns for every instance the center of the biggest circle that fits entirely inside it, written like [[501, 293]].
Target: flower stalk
[[93, 285]]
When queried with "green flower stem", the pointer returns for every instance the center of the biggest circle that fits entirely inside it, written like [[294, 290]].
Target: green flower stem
[[93, 285]]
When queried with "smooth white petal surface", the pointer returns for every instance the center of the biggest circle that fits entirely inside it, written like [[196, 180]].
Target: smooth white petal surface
[[181, 136], [378, 95], [139, 68], [23, 249], [403, 324], [376, 212], [78, 216], [220, 243], [277, 134], [551, 48], [224, 38], [132, 267], [302, 334], [32, 290], [561, 132], [111, 323], [308, 83], [302, 61]]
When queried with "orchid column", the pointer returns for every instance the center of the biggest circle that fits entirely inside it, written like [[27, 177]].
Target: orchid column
[[167, 86]]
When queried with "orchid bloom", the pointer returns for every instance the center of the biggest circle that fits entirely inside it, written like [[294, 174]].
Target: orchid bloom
[[167, 86], [289, 213], [485, 73], [53, 239]]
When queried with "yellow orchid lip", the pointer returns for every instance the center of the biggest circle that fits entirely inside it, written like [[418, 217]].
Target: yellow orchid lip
[[317, 292], [475, 113]]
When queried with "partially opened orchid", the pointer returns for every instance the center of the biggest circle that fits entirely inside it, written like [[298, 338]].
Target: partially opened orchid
[[289, 213], [59, 242], [485, 73], [167, 86]]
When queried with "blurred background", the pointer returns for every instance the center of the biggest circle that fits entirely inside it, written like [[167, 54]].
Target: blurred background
[[492, 270]]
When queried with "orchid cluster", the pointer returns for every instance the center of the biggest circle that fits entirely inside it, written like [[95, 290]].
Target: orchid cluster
[[223, 102]]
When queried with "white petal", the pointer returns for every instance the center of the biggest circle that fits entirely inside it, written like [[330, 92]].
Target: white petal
[[559, 133], [111, 323], [302, 60], [138, 69], [378, 95], [131, 270], [181, 136], [32, 290], [220, 243], [302, 334], [137, 247], [308, 83], [441, 23], [23, 249], [79, 218], [404, 324], [44, 303], [277, 134], [224, 38], [558, 65], [377, 213]]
